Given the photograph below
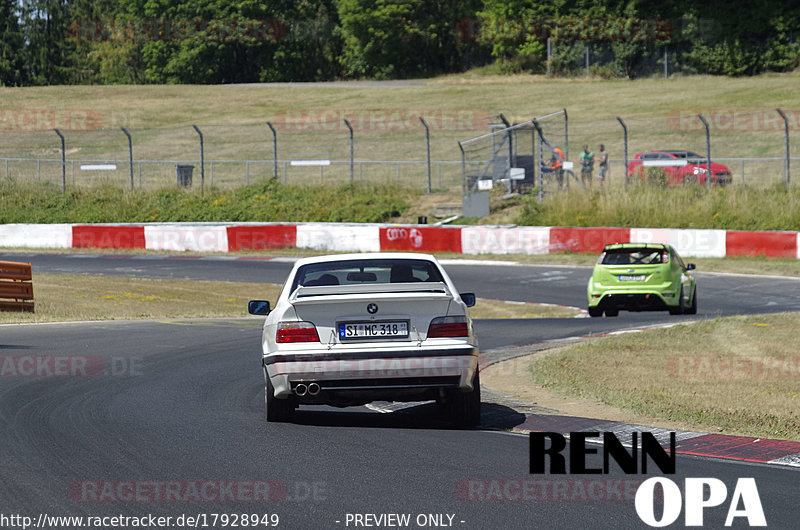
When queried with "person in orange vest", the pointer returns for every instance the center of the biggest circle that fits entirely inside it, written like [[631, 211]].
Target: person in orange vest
[[557, 166]]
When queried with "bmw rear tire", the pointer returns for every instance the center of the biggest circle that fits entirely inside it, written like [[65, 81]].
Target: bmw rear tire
[[465, 407], [277, 410]]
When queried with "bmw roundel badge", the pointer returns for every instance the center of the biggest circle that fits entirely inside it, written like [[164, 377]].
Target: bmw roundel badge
[[372, 309]]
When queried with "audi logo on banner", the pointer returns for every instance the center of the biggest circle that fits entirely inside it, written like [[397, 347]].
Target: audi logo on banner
[[413, 235]]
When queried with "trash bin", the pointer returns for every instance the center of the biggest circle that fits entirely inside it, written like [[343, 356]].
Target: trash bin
[[184, 175]]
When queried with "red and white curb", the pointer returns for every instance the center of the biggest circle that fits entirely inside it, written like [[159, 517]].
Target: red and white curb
[[347, 237]]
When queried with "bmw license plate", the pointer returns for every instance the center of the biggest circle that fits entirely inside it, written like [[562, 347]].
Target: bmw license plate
[[632, 277], [373, 330]]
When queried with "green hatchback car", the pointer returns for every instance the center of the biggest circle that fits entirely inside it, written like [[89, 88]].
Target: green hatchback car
[[641, 277]]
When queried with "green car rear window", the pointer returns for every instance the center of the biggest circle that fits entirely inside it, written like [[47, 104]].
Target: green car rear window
[[635, 256]]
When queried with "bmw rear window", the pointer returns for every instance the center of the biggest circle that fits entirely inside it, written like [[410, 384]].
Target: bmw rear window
[[371, 271], [634, 256]]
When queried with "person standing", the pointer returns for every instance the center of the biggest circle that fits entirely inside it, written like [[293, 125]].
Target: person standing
[[587, 166], [602, 165], [557, 166]]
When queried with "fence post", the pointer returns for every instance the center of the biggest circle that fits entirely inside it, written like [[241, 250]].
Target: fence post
[[624, 149], [130, 153], [510, 144], [202, 162], [427, 149], [708, 151], [274, 151], [540, 162], [463, 169], [666, 74], [549, 55], [534, 168], [587, 60], [63, 162], [787, 178], [566, 135], [351, 148]]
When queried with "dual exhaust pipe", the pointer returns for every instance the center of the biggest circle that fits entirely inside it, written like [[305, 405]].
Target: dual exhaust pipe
[[311, 389]]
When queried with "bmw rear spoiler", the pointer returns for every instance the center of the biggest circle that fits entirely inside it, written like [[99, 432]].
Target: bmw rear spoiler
[[366, 291]]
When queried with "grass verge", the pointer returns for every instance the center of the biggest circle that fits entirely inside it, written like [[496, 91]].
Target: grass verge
[[268, 201], [65, 297], [732, 208], [746, 383]]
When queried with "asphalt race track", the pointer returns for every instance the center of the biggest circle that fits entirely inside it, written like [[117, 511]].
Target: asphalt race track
[[179, 404]]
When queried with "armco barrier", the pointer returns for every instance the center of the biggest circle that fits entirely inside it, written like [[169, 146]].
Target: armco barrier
[[416, 238], [350, 237], [16, 286], [186, 236], [36, 236], [687, 241], [261, 237], [586, 239], [769, 244], [338, 237], [108, 236], [505, 240]]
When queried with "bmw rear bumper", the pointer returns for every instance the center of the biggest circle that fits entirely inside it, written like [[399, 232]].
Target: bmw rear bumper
[[375, 374]]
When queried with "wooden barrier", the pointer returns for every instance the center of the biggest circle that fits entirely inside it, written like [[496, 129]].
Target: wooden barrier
[[16, 286]]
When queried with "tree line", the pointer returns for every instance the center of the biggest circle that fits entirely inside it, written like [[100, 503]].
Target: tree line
[[44, 42]]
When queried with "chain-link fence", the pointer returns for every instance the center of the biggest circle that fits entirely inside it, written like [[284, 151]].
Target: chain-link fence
[[417, 148], [746, 148], [751, 145], [410, 147]]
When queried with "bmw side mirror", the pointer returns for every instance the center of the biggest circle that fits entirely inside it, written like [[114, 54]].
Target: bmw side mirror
[[690, 266], [258, 307], [468, 298]]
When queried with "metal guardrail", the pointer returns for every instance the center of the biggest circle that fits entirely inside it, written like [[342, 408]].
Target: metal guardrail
[[16, 286]]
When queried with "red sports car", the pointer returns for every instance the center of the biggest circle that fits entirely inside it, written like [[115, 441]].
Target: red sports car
[[679, 167]]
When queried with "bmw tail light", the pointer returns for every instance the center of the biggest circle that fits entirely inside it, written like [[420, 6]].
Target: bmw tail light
[[455, 326], [296, 332]]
